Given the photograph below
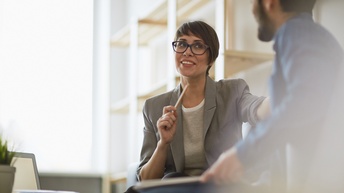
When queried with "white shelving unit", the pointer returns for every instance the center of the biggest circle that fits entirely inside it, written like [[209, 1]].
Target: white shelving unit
[[161, 20], [145, 28]]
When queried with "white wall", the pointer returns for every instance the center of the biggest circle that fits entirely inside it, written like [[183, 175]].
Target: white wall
[[330, 14], [46, 81], [245, 29]]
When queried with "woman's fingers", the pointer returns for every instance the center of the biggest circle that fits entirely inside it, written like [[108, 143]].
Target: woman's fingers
[[168, 109], [167, 124]]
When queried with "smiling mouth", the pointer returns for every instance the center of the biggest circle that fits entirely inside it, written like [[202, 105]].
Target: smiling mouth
[[187, 62]]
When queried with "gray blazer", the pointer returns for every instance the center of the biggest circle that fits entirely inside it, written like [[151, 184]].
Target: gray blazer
[[228, 103]]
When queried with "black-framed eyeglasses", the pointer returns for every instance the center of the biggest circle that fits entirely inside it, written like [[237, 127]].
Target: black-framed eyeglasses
[[197, 48]]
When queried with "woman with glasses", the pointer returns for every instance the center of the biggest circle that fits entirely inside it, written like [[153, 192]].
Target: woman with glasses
[[186, 140]]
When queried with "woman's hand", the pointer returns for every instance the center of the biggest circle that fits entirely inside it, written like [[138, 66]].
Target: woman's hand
[[167, 124]]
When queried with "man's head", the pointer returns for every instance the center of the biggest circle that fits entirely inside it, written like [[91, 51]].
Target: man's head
[[271, 14]]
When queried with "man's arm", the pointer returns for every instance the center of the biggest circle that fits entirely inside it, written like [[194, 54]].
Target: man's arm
[[225, 170]]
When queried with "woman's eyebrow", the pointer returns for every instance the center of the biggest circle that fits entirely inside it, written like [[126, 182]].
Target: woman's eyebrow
[[193, 41]]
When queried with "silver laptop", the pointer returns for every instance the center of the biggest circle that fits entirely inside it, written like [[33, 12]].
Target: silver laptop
[[26, 177]]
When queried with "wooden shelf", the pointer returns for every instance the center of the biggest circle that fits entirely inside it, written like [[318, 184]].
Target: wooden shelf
[[120, 107], [120, 177], [237, 61], [155, 21], [146, 33], [153, 91]]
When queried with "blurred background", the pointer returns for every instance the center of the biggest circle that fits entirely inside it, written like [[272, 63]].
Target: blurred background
[[74, 74]]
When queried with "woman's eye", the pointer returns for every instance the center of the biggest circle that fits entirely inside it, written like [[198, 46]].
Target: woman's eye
[[199, 46], [182, 44]]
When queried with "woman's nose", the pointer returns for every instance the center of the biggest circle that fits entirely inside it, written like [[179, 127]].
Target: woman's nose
[[188, 52]]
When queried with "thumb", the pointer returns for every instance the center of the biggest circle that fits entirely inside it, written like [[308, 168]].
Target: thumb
[[206, 176]]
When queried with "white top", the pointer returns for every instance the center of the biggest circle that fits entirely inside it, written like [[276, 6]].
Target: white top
[[193, 139]]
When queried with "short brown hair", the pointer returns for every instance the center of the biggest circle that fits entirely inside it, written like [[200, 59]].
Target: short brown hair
[[297, 5]]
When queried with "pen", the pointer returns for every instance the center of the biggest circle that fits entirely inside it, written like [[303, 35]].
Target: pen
[[181, 96]]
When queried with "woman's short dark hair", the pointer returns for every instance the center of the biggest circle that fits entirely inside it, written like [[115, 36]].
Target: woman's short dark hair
[[204, 31], [297, 5]]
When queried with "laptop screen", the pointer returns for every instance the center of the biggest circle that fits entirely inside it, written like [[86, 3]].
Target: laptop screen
[[26, 176]]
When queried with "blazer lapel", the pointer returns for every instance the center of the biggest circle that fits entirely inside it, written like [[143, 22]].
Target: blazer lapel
[[210, 103], [177, 145]]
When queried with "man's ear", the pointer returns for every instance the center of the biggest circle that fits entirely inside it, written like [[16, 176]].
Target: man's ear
[[269, 4]]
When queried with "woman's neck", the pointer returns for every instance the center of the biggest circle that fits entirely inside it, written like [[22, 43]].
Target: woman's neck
[[195, 92]]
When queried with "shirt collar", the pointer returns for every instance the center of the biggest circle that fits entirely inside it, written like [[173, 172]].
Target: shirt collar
[[301, 16]]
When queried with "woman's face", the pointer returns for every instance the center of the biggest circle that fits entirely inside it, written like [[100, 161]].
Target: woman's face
[[189, 64]]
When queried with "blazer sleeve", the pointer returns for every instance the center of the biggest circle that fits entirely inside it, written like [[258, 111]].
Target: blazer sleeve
[[247, 103], [152, 111], [150, 139]]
